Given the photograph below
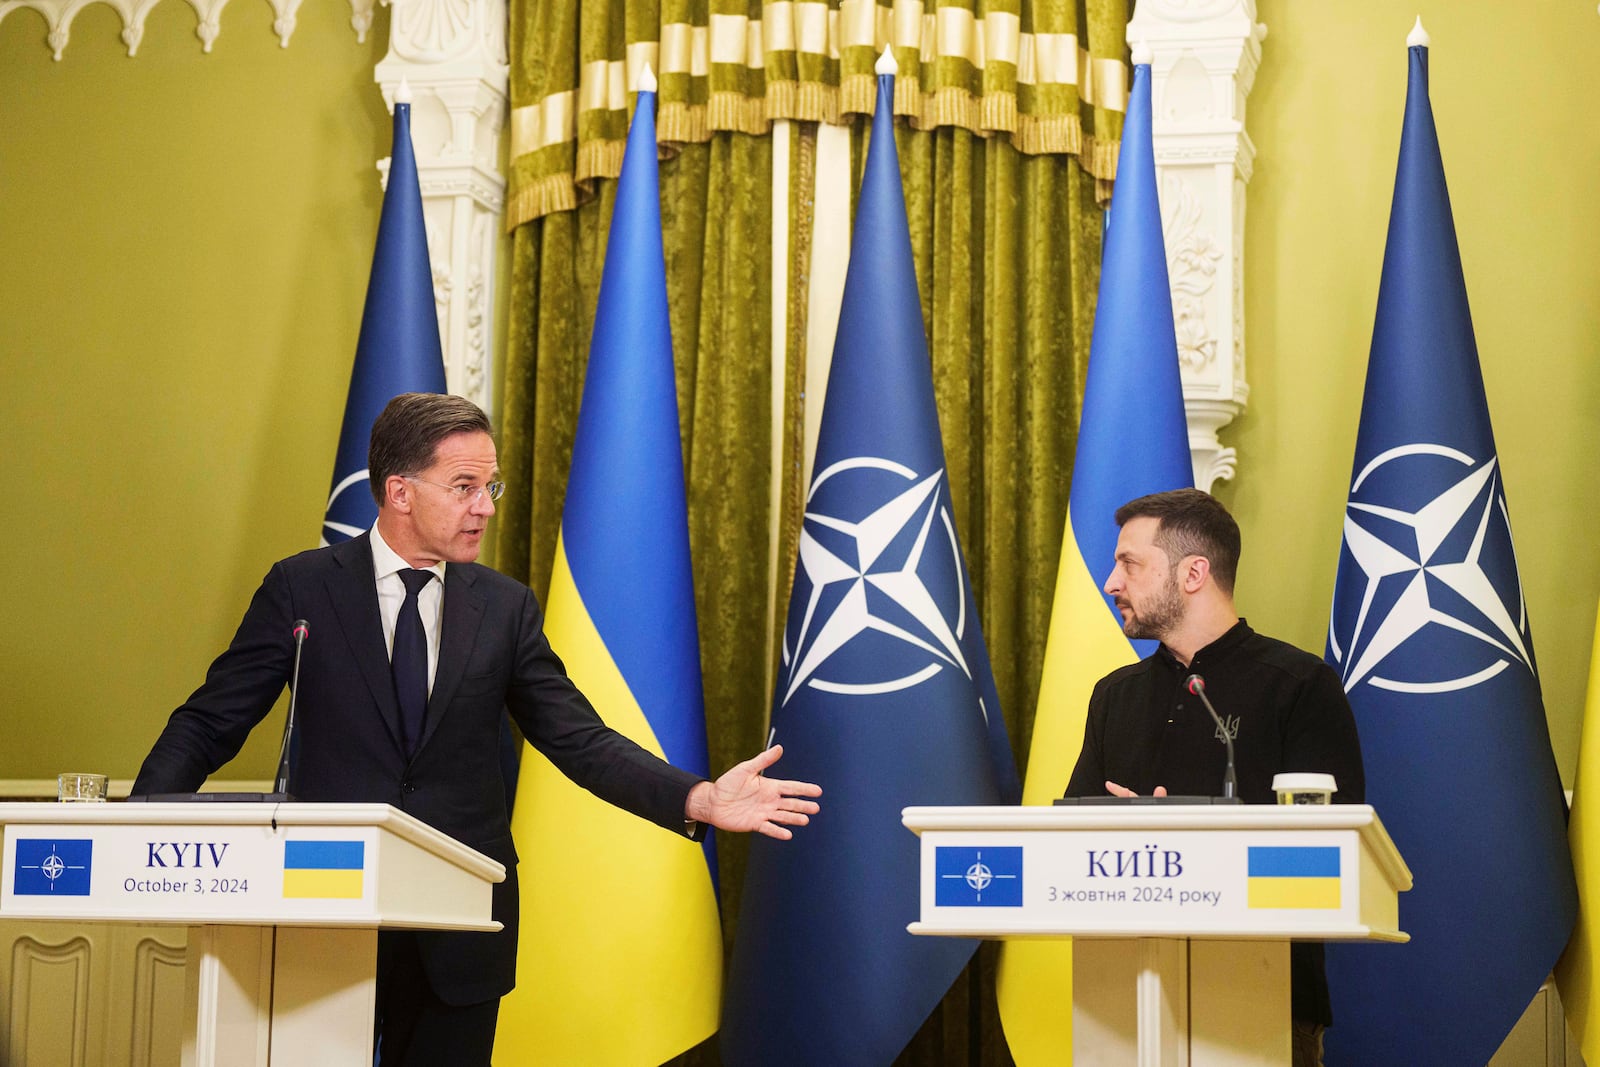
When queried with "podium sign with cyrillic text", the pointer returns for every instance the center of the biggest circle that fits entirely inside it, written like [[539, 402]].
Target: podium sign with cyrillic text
[[1305, 872], [1180, 915]]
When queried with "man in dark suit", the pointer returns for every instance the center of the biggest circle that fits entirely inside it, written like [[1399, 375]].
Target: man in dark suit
[[416, 653]]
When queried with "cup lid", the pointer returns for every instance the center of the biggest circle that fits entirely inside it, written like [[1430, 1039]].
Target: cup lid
[[1303, 783]]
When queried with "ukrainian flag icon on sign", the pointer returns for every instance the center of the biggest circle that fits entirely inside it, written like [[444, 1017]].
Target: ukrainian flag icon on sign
[[1294, 877], [978, 877], [323, 870]]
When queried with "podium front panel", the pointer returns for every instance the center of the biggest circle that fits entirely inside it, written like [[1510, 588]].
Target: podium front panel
[[189, 873], [1173, 872], [270, 865]]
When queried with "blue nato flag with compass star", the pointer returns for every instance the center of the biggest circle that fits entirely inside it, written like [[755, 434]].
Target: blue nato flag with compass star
[[884, 694], [398, 350], [1430, 633]]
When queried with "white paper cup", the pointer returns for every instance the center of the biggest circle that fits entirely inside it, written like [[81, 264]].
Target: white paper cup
[[74, 788], [1304, 788]]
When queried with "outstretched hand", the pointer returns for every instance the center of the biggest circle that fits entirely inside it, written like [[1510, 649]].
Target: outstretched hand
[[744, 799]]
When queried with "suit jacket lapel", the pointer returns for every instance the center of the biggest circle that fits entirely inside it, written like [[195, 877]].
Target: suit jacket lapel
[[354, 593], [463, 612]]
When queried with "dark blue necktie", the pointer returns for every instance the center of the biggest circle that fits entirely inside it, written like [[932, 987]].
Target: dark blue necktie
[[409, 662]]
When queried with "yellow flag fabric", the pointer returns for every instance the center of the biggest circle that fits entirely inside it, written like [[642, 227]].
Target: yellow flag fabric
[[1575, 972], [1034, 979], [621, 959]]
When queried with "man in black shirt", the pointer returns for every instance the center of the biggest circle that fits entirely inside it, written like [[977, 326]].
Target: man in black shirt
[[1284, 708]]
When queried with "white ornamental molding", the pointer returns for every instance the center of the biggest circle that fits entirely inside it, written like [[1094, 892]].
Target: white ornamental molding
[[1204, 59], [452, 57], [58, 16]]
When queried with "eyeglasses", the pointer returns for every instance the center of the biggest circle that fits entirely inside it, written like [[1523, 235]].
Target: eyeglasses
[[464, 494]]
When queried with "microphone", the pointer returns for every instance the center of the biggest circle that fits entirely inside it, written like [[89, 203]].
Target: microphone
[[1230, 777], [301, 632]]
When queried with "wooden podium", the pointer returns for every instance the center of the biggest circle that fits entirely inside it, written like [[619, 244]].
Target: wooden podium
[[1181, 916], [283, 904]]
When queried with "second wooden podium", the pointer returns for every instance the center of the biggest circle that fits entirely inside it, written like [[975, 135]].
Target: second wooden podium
[[283, 904], [1181, 916]]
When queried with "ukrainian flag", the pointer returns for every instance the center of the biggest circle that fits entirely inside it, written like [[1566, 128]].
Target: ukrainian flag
[[1293, 877], [1132, 440], [323, 870], [621, 942]]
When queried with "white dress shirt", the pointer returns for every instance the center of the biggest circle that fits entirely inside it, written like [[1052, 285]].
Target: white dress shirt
[[386, 568]]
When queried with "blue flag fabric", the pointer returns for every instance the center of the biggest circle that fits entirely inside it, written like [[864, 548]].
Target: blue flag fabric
[[53, 867], [1133, 389], [399, 349], [884, 697], [1430, 633]]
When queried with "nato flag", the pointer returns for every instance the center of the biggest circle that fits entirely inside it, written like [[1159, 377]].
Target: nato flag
[[53, 867], [1431, 636], [398, 351], [884, 696]]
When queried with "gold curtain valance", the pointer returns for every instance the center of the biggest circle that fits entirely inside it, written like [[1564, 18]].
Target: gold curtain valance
[[1030, 72]]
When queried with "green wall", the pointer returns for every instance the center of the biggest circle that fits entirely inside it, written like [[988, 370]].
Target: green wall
[[1515, 88], [184, 247]]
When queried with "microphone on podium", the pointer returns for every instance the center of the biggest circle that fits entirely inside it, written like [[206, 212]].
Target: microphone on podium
[[1230, 777], [301, 631]]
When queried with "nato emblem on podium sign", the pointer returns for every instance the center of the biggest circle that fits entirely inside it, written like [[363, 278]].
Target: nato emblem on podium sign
[[989, 877], [46, 867]]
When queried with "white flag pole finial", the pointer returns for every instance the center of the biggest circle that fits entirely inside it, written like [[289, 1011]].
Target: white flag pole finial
[[1142, 53], [646, 81], [1418, 37], [402, 92], [886, 63]]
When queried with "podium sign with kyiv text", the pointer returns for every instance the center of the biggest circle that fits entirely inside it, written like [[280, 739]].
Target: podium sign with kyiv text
[[188, 873], [283, 904], [1250, 871], [1181, 914]]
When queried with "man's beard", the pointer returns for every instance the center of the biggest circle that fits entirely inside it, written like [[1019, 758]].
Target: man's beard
[[1158, 617]]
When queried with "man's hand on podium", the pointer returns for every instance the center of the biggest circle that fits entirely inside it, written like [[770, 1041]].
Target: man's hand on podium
[[1123, 791]]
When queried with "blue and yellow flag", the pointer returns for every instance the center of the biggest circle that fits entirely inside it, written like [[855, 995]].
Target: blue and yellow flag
[[621, 954], [1430, 633], [884, 697], [1133, 440], [398, 350], [1580, 963]]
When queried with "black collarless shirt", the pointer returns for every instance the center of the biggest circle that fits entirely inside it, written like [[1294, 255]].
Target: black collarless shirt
[[1286, 710]]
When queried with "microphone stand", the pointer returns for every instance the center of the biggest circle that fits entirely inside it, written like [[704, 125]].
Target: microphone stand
[[1230, 777]]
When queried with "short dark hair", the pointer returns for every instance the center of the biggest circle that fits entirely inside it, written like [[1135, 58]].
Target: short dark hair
[[407, 433], [1191, 523]]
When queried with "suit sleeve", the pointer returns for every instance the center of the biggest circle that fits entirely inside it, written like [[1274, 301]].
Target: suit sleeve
[[240, 688], [558, 720]]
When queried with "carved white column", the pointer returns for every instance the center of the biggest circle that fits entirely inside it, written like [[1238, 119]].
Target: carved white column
[[1205, 55], [452, 54]]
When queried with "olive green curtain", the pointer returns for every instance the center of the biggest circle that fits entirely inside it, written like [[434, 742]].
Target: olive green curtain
[[1004, 159], [1047, 76]]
